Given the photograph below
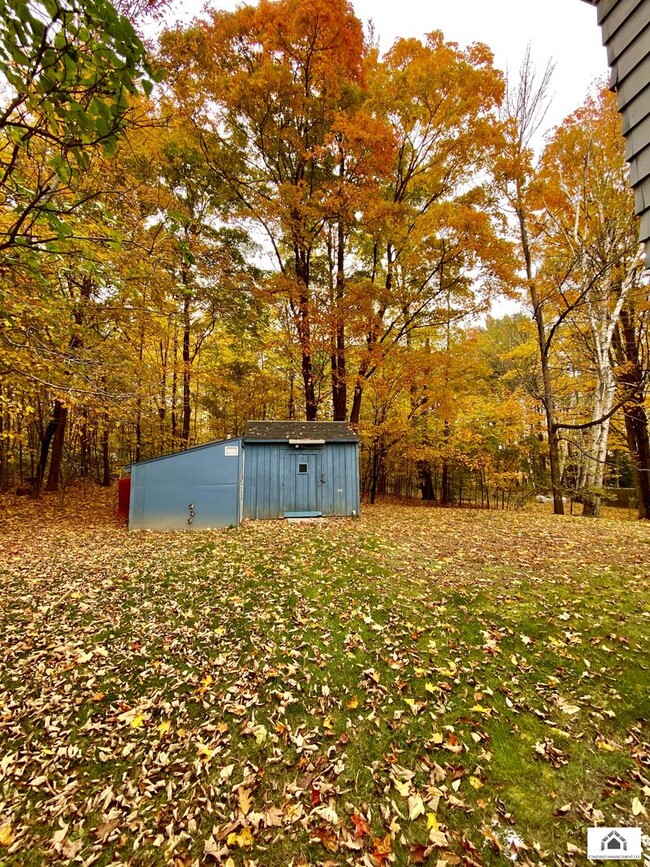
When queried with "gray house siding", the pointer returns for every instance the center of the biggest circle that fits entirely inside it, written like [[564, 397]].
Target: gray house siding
[[207, 477], [625, 28]]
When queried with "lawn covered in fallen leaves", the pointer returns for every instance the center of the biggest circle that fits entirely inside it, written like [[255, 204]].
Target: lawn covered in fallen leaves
[[417, 686]]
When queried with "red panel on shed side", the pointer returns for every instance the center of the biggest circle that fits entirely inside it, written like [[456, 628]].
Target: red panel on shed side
[[123, 497]]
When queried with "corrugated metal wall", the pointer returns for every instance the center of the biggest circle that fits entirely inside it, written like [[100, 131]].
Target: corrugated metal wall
[[625, 26], [229, 480], [208, 477], [341, 488], [262, 476], [271, 483]]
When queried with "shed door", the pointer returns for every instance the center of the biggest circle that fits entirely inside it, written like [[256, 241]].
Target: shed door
[[302, 483]]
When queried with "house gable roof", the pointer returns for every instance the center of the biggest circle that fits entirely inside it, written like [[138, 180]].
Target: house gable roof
[[283, 431]]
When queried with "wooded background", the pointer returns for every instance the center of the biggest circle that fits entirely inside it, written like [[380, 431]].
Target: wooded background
[[259, 216]]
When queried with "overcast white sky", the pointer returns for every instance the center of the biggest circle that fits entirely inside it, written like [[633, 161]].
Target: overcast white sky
[[562, 30]]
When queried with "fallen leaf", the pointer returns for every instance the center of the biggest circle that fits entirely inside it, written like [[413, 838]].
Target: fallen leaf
[[205, 752], [244, 839], [260, 733], [361, 827], [243, 801], [226, 772], [213, 849], [328, 838], [416, 807], [438, 839], [382, 849], [104, 830], [403, 788], [418, 853], [569, 709], [72, 848], [486, 711], [58, 837]]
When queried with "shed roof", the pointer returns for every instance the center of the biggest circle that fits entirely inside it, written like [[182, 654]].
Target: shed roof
[[281, 431]]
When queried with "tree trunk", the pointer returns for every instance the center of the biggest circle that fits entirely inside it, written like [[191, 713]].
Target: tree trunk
[[106, 463], [5, 427], [602, 324], [590, 505], [630, 359], [548, 403], [291, 409], [636, 426], [45, 448], [187, 402], [554, 459], [138, 403], [303, 326], [596, 457], [162, 407], [365, 369], [311, 408], [174, 417], [84, 445], [375, 473], [339, 386], [445, 484], [357, 394], [426, 481], [547, 398], [59, 418]]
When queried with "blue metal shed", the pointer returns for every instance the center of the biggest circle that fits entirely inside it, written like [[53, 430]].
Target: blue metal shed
[[300, 468], [196, 489], [278, 469]]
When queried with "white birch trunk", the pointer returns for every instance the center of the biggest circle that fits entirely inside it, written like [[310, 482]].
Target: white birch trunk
[[602, 324]]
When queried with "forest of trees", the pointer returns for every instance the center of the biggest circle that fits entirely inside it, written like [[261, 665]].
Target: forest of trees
[[260, 216]]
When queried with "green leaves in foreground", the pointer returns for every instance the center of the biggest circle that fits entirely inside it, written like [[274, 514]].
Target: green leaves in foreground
[[70, 67]]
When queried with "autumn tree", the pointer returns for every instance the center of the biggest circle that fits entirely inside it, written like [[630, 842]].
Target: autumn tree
[[433, 224], [591, 256], [450, 415], [265, 86], [70, 71], [292, 225], [180, 273], [523, 114]]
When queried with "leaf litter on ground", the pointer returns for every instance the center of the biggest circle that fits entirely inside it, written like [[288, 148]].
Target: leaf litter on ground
[[418, 686]]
